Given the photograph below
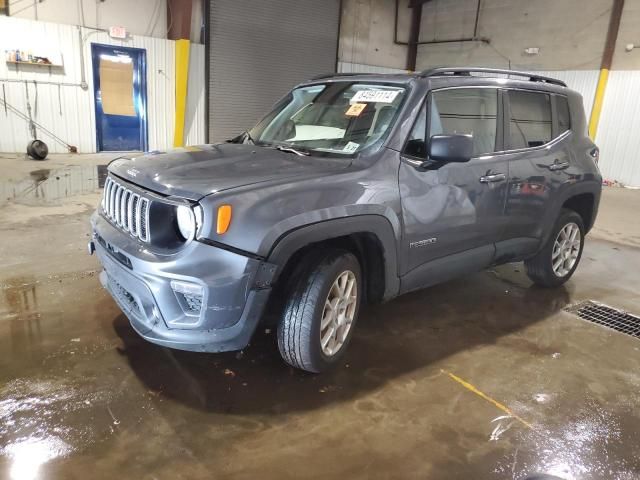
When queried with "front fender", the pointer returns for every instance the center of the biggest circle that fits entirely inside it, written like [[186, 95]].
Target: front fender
[[294, 239]]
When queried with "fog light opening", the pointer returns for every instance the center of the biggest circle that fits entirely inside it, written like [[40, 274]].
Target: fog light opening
[[189, 296]]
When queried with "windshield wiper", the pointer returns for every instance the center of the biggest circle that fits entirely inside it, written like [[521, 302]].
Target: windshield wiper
[[242, 137], [248, 136], [284, 148]]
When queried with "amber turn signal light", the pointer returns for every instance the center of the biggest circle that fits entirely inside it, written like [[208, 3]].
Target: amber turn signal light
[[224, 219]]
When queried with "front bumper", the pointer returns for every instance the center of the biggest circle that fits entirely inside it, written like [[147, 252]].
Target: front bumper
[[143, 284]]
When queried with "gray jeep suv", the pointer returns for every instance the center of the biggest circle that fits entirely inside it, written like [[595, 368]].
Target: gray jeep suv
[[354, 188]]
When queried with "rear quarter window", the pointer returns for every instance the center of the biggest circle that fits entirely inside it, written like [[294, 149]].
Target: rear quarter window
[[530, 119]]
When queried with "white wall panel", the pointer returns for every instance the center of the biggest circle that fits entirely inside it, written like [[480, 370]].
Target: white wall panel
[[582, 81], [195, 133], [68, 110], [618, 136], [140, 17], [63, 109]]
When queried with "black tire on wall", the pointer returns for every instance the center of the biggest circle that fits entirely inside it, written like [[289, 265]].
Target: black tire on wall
[[37, 149]]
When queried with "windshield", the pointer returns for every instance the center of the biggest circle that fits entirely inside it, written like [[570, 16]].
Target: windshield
[[338, 118]]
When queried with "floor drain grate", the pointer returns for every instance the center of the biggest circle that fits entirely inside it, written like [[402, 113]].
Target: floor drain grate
[[618, 320]]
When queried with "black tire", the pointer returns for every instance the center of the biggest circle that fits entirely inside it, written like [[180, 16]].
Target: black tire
[[37, 149], [299, 328], [540, 268]]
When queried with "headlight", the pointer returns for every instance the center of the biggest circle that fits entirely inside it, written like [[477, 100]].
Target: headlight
[[186, 222]]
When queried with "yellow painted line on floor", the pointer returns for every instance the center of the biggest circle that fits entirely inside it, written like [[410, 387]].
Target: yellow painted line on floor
[[497, 404]]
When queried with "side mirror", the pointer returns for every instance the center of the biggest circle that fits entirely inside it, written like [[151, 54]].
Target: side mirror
[[451, 148]]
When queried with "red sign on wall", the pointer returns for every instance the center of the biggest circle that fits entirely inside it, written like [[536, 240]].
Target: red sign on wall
[[117, 32]]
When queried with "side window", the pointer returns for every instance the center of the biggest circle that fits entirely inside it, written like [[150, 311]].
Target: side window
[[466, 110], [564, 118], [530, 122], [416, 145]]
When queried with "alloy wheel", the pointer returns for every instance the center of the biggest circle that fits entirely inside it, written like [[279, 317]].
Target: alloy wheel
[[338, 313], [566, 249]]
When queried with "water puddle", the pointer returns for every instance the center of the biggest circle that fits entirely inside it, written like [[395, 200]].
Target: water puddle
[[46, 186]]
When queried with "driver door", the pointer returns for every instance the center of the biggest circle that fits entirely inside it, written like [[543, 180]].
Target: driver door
[[453, 212]]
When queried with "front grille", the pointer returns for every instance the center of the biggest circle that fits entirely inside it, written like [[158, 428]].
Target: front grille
[[607, 316], [126, 209]]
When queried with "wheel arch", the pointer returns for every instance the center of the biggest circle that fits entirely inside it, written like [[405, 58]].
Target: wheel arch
[[370, 237], [583, 198], [583, 204]]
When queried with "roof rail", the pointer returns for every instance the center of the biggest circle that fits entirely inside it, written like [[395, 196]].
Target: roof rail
[[532, 77]]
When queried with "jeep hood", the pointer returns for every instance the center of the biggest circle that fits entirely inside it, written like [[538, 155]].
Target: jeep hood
[[194, 172]]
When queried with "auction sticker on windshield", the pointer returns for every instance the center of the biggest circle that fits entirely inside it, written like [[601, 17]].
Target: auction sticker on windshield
[[380, 96], [355, 109], [351, 147]]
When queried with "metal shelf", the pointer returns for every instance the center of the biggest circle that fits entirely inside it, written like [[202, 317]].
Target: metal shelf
[[54, 65]]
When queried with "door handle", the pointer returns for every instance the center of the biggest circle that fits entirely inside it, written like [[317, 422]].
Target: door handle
[[556, 165], [493, 177]]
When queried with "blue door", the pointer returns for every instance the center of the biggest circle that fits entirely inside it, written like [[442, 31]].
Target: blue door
[[120, 93]]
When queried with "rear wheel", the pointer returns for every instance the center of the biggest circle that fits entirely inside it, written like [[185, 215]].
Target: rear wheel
[[321, 311], [559, 258]]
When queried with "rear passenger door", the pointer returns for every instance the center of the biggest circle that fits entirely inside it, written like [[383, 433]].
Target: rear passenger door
[[537, 131]]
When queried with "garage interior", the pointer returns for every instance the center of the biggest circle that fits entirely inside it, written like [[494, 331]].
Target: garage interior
[[484, 377]]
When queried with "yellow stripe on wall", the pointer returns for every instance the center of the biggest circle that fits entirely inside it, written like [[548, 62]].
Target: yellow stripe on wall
[[182, 77], [597, 103]]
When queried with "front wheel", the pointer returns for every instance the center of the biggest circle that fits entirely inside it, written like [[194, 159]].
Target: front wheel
[[321, 312], [559, 257]]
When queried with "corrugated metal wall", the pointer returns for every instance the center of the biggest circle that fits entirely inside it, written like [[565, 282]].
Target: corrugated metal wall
[[68, 110], [63, 109], [619, 130], [195, 127], [259, 50]]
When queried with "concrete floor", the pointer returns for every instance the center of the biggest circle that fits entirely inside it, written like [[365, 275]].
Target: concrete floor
[[480, 378]]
